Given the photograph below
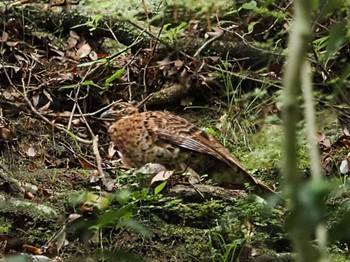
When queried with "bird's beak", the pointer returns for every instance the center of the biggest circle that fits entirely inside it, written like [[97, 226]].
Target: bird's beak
[[108, 114]]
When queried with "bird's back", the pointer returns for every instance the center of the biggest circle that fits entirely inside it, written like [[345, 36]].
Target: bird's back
[[170, 140]]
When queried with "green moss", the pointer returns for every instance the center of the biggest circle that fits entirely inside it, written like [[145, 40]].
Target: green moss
[[338, 258]]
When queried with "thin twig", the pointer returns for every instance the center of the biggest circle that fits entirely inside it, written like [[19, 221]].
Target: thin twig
[[97, 156], [208, 42], [92, 114]]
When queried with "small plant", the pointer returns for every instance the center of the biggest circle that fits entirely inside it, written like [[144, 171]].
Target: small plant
[[172, 35], [54, 176], [92, 23], [227, 250]]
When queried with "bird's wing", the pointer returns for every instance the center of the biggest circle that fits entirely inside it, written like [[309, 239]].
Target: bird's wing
[[199, 141], [196, 140]]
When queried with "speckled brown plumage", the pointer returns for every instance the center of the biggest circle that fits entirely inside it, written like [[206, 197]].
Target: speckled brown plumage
[[172, 141]]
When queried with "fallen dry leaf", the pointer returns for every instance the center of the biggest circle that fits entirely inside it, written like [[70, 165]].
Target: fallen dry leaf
[[162, 176], [84, 51]]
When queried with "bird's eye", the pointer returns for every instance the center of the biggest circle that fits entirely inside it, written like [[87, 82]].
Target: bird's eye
[[119, 108]]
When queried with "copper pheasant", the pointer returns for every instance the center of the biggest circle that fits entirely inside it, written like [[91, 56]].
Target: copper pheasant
[[172, 141]]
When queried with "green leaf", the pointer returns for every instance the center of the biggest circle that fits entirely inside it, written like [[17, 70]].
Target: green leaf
[[92, 23], [92, 199], [159, 188], [337, 37], [90, 83], [252, 5], [123, 196], [115, 76], [251, 26], [136, 227], [113, 217]]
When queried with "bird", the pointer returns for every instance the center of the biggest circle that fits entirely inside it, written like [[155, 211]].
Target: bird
[[167, 139]]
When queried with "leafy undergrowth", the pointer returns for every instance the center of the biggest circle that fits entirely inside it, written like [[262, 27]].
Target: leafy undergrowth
[[134, 222]]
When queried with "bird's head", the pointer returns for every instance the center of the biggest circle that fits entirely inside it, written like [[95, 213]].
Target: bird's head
[[120, 110]]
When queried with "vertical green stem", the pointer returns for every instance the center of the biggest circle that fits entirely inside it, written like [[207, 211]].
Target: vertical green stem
[[293, 79], [316, 170]]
